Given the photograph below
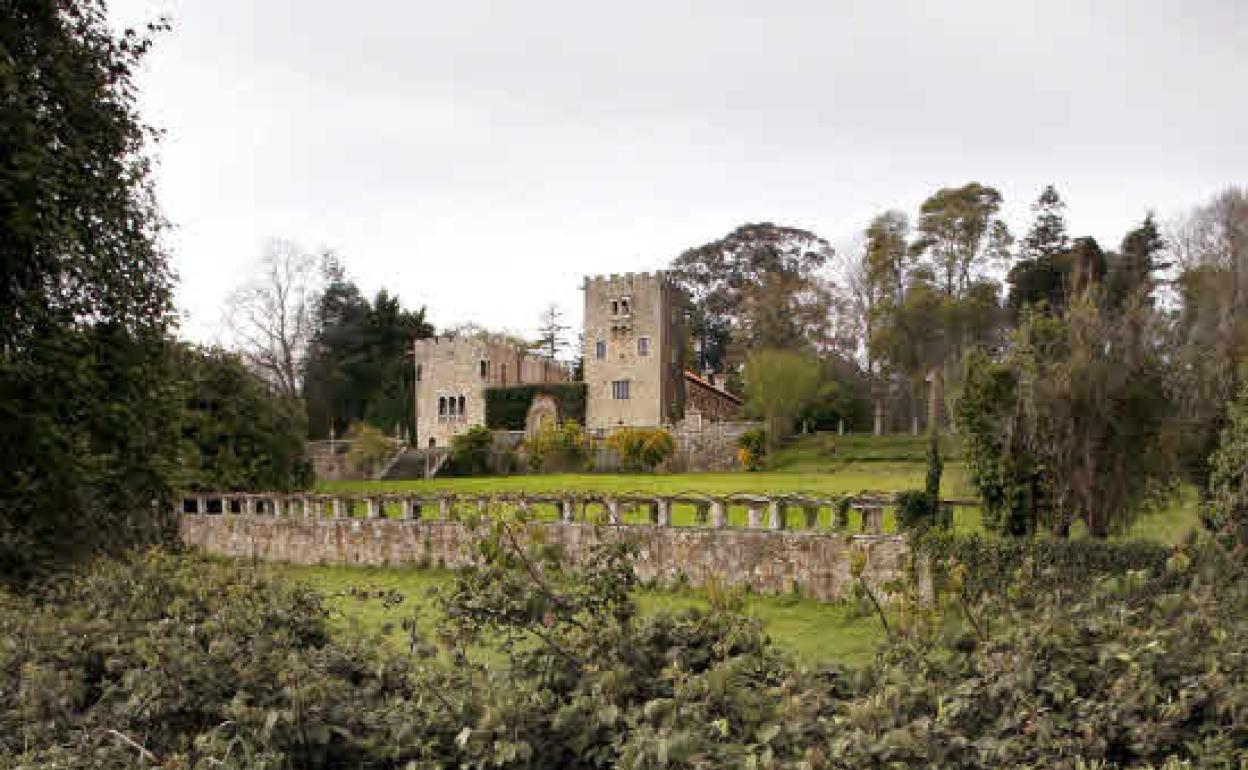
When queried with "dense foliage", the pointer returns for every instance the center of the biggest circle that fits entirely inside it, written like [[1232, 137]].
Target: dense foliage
[[642, 449], [506, 408], [176, 662], [1226, 511], [557, 447], [752, 449], [359, 365], [369, 448], [88, 396], [472, 452], [237, 435]]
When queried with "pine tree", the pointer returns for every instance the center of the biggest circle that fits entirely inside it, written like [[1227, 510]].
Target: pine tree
[[1047, 237]]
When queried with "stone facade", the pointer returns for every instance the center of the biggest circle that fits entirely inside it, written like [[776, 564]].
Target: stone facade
[[634, 339], [815, 563], [709, 400], [452, 373]]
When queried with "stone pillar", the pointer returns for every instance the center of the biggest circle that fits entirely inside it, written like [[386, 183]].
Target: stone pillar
[[663, 512], [201, 505], [613, 510], [275, 503], [444, 508], [754, 516], [872, 519], [373, 510], [306, 507], [775, 514], [522, 505], [483, 506], [567, 509], [719, 518], [336, 502]]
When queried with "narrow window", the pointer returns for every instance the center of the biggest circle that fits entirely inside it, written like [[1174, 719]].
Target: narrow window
[[624, 306], [615, 307], [643, 346], [441, 406], [504, 373], [600, 349], [461, 406], [485, 369], [619, 390], [420, 370]]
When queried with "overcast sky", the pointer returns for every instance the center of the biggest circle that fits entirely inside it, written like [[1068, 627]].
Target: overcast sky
[[479, 158]]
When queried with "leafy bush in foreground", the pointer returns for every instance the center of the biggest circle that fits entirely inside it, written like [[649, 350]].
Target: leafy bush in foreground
[[184, 663]]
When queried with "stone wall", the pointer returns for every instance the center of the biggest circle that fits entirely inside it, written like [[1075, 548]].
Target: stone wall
[[815, 563]]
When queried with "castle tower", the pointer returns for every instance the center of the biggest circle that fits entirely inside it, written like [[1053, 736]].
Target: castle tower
[[634, 350]]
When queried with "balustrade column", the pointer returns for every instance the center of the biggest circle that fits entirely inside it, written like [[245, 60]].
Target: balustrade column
[[663, 512], [719, 518], [444, 508], [276, 504], [337, 504], [613, 510], [372, 509], [567, 509], [201, 505], [775, 514]]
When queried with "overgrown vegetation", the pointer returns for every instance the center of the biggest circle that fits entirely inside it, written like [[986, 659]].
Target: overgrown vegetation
[[175, 662], [472, 452], [642, 449], [557, 447], [369, 448], [506, 408]]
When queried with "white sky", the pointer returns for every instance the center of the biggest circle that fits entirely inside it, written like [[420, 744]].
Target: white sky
[[478, 158]]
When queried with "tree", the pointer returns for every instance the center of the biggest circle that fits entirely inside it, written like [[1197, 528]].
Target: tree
[[359, 366], [1047, 236], [271, 315], [1044, 272], [88, 397], [960, 233], [778, 384], [1133, 271], [552, 334], [1226, 509], [757, 287], [237, 435]]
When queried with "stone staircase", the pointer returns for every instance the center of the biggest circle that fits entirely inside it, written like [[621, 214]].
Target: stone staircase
[[415, 464]]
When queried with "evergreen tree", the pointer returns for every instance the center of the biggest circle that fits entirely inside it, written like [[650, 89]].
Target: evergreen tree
[[1047, 236]]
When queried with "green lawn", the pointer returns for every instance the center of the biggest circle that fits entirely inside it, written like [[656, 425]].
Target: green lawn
[[813, 631]]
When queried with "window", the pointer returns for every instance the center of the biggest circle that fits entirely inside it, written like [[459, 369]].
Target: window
[[615, 307], [485, 369], [441, 406], [624, 310], [504, 372], [643, 346], [600, 350], [619, 390], [461, 406], [419, 371]]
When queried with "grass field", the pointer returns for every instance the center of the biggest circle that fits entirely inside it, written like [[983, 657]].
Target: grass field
[[824, 465], [812, 631]]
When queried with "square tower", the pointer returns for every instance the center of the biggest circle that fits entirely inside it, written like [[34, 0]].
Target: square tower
[[634, 351]]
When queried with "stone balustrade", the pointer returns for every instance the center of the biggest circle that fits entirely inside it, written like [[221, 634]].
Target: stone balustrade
[[769, 511]]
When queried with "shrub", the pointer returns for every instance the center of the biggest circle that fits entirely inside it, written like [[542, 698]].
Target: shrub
[[471, 452], [369, 448], [560, 447], [752, 449], [642, 448], [917, 511]]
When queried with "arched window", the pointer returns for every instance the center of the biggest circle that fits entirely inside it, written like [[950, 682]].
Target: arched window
[[461, 406]]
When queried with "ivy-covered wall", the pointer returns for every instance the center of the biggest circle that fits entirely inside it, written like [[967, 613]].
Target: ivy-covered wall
[[506, 408]]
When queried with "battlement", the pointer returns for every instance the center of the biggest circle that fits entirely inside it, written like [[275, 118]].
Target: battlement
[[619, 280]]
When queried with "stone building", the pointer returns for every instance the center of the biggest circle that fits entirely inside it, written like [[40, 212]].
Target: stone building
[[634, 343], [452, 373], [704, 397]]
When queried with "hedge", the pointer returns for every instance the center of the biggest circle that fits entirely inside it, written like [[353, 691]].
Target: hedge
[[992, 563], [506, 408]]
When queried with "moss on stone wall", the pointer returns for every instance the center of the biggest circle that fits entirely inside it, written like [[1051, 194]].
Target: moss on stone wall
[[506, 408]]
